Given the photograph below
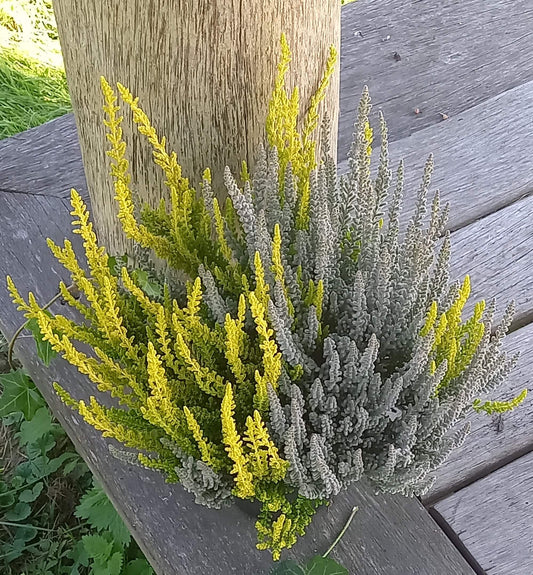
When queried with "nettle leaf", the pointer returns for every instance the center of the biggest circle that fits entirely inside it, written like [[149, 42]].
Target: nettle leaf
[[44, 349], [97, 547], [29, 495], [99, 512], [288, 567], [138, 567], [40, 425], [150, 287], [324, 566], [79, 554], [19, 394], [19, 512], [114, 565]]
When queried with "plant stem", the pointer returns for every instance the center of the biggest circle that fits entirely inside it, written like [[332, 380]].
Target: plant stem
[[343, 531], [10, 524], [21, 328]]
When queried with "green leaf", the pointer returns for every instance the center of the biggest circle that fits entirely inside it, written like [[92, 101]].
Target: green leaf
[[44, 349], [112, 265], [324, 566], [16, 482], [138, 567], [79, 554], [115, 263], [71, 465], [54, 464], [288, 567], [29, 495], [20, 394], [99, 512], [114, 566], [12, 551], [24, 470], [97, 547], [18, 513], [25, 533], [150, 287], [40, 447], [7, 499], [13, 418], [39, 425]]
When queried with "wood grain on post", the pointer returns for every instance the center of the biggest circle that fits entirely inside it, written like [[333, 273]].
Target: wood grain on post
[[203, 70]]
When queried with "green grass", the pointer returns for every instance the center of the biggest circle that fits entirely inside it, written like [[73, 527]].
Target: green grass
[[31, 93], [33, 88]]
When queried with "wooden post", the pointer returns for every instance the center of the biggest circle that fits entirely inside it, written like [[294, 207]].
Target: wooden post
[[203, 71]]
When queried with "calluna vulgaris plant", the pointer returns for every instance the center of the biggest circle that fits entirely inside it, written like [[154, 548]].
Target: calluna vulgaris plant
[[311, 343]]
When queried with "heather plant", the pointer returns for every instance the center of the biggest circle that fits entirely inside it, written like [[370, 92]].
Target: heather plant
[[296, 340]]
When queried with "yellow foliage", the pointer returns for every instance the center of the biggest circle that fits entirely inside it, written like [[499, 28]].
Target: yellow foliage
[[168, 162], [261, 287], [244, 487], [219, 226], [271, 355], [369, 138], [96, 256], [278, 537], [298, 149], [208, 381], [491, 407], [160, 408], [430, 320], [277, 266], [455, 341], [235, 340], [203, 443], [264, 459], [122, 179]]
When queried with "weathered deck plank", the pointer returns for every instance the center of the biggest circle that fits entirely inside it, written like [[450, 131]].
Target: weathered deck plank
[[51, 157], [176, 535], [494, 441], [494, 518], [497, 252], [454, 55]]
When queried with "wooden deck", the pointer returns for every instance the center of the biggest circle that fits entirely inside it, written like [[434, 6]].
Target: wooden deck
[[467, 59]]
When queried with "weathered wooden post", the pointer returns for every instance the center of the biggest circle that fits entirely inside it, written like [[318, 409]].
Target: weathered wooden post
[[203, 71]]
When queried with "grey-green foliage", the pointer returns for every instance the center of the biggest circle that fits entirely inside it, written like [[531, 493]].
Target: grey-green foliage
[[370, 400]]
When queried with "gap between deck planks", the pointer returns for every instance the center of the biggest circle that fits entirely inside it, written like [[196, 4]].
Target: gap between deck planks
[[176, 535], [454, 55], [494, 518]]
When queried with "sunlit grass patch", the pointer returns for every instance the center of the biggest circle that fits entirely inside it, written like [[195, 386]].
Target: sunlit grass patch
[[31, 93]]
